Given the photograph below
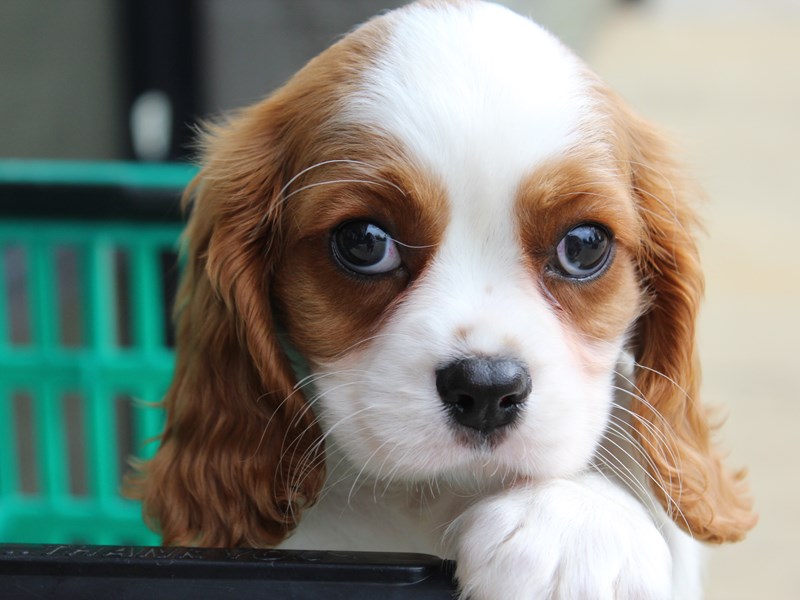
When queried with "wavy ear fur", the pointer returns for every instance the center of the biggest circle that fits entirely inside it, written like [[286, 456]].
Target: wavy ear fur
[[240, 455], [703, 497]]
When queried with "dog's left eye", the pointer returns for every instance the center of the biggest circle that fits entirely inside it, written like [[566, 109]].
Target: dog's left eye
[[584, 251], [365, 248]]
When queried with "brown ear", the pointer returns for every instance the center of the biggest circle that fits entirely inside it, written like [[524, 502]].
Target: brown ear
[[241, 453], [701, 495]]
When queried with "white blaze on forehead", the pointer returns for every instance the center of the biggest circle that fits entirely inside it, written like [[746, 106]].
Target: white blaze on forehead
[[479, 97], [476, 92]]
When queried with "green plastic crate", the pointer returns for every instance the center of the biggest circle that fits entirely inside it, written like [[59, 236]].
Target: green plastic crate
[[84, 342]]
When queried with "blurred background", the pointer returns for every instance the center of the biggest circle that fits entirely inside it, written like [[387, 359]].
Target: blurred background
[[127, 79]]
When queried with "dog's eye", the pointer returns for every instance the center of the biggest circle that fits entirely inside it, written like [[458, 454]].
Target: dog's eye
[[365, 248], [584, 251]]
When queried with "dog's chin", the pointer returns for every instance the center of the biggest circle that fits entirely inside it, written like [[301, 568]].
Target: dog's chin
[[466, 458]]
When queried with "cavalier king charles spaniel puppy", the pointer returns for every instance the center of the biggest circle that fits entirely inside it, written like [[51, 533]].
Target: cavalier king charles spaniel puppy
[[439, 296]]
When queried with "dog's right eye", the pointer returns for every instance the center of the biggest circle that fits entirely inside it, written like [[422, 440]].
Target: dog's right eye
[[365, 248]]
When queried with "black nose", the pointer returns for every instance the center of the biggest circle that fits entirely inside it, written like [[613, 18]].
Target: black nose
[[483, 393]]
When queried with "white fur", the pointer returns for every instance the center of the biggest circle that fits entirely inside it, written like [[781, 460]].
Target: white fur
[[578, 538], [477, 93], [480, 96]]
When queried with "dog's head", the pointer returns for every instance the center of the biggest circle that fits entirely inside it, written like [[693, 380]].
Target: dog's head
[[432, 248]]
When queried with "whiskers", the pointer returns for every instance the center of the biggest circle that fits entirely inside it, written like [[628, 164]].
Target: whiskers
[[295, 434], [630, 457], [355, 176], [637, 443], [640, 447], [372, 180], [308, 459], [309, 186], [285, 188]]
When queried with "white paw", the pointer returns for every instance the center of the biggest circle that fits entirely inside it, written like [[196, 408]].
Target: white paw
[[565, 539]]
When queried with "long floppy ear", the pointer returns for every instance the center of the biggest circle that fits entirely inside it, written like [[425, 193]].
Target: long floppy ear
[[240, 455], [703, 497]]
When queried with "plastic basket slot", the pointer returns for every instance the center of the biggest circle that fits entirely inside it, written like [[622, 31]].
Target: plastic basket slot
[[70, 297], [123, 405], [120, 290], [26, 480], [170, 274], [76, 443], [16, 329]]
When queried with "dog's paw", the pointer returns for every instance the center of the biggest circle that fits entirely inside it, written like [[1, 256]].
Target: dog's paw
[[564, 539]]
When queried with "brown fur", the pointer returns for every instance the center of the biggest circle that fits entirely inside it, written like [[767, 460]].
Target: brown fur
[[326, 310], [559, 195], [241, 457], [712, 502], [622, 177]]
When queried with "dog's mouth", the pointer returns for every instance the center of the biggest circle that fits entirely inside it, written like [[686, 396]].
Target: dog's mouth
[[483, 441]]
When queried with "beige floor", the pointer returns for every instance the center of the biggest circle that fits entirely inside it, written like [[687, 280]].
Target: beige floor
[[726, 85]]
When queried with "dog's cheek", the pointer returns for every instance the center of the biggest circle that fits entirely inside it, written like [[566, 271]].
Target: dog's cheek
[[604, 309], [325, 311]]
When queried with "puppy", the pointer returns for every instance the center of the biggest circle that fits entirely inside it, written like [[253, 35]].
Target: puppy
[[439, 296]]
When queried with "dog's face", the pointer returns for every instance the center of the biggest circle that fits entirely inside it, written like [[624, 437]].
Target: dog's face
[[487, 236], [460, 232]]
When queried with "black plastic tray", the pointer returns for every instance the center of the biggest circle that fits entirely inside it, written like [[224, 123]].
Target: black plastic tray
[[155, 573]]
